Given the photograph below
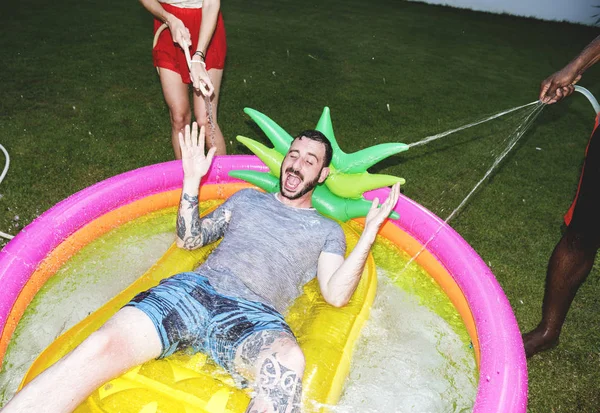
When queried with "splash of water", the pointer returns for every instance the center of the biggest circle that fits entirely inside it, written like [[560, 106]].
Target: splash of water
[[432, 138], [90, 278], [407, 360], [479, 122], [513, 139], [211, 135], [211, 119]]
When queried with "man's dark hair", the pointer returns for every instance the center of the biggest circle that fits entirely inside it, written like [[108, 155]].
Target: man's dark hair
[[317, 136]]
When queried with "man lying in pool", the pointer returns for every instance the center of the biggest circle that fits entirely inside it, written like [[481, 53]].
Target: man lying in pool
[[231, 307]]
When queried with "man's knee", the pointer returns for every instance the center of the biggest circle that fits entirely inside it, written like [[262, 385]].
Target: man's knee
[[268, 352], [284, 358], [279, 380], [293, 358]]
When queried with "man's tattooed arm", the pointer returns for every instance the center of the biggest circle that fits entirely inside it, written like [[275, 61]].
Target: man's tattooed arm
[[194, 232]]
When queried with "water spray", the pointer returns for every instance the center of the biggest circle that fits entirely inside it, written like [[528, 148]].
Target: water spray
[[451, 131], [519, 132]]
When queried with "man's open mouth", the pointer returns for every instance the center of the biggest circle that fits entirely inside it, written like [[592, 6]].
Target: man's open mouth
[[292, 182]]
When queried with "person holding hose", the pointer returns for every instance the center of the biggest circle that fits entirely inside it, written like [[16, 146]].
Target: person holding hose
[[197, 25], [574, 255]]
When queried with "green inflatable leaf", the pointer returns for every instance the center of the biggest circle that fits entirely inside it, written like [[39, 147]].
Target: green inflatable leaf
[[263, 180], [343, 209], [360, 161], [280, 139], [341, 195], [269, 156], [354, 185]]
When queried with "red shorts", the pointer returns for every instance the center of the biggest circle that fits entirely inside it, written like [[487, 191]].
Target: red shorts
[[586, 204], [169, 55]]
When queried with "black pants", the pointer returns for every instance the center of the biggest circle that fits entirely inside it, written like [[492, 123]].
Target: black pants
[[586, 214]]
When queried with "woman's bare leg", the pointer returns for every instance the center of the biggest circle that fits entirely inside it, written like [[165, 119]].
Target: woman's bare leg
[[176, 95]]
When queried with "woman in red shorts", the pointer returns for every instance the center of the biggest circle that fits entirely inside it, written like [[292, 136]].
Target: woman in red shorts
[[196, 24]]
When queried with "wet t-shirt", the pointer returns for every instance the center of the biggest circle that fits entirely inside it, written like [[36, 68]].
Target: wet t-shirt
[[269, 250]]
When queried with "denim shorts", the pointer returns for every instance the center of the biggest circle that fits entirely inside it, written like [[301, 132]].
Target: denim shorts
[[189, 314]]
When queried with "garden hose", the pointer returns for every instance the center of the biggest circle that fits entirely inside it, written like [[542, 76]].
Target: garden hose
[[185, 48], [589, 96], [4, 171]]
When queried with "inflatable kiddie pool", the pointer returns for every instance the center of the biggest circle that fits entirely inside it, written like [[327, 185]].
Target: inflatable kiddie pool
[[45, 245]]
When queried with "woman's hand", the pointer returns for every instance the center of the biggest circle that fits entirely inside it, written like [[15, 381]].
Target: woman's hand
[[200, 78]]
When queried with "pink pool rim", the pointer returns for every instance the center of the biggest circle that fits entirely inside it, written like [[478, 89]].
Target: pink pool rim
[[502, 384]]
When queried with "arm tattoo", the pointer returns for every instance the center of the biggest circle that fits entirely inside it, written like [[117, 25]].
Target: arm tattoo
[[279, 386], [187, 203], [192, 201], [180, 227], [205, 231], [191, 243], [194, 231]]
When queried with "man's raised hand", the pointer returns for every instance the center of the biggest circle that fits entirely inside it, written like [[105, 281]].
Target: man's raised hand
[[195, 163], [378, 213]]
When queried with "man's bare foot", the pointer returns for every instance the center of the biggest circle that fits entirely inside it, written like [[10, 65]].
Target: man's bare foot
[[539, 340]]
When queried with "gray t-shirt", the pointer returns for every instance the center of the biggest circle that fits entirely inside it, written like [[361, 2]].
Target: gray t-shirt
[[269, 250]]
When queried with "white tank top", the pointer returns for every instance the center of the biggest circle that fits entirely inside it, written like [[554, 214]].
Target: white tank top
[[184, 4]]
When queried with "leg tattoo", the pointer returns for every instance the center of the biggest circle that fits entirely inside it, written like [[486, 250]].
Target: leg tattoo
[[278, 381], [255, 344], [278, 386]]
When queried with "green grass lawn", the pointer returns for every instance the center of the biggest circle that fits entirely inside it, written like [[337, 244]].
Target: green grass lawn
[[81, 102]]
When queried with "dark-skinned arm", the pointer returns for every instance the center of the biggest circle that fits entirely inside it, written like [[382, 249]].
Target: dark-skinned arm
[[562, 83]]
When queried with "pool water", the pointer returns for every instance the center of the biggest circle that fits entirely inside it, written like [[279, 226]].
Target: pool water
[[414, 354]]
